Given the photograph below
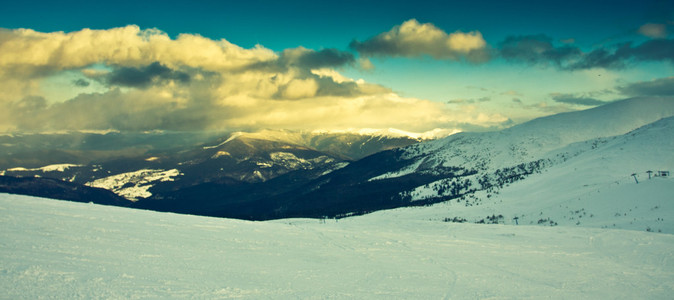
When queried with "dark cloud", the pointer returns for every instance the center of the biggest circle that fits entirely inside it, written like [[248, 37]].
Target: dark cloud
[[602, 58], [322, 59], [576, 100], [536, 49], [539, 49], [306, 59], [328, 87], [657, 87], [652, 50], [81, 82], [145, 76]]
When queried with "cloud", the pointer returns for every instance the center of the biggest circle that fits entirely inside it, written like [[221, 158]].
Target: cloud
[[144, 76], [510, 93], [468, 101], [657, 87], [124, 46], [151, 81], [298, 76], [412, 39], [652, 50], [310, 59], [539, 50], [651, 30], [81, 82], [307, 59], [536, 49], [575, 99]]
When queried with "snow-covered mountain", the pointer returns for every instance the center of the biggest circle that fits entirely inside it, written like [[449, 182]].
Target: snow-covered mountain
[[346, 144], [538, 144], [530, 141], [61, 250], [588, 184], [136, 166], [466, 165]]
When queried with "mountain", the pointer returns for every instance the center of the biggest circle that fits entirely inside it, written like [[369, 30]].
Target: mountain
[[68, 250], [138, 165], [462, 164], [348, 145], [590, 184]]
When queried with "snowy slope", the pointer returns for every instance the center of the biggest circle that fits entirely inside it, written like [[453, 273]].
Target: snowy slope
[[134, 185], [589, 185], [532, 140], [63, 250]]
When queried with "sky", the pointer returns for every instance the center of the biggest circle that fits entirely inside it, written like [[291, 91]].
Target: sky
[[440, 66]]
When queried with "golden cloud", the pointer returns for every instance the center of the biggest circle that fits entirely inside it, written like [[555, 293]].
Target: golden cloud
[[125, 46], [150, 81], [412, 39]]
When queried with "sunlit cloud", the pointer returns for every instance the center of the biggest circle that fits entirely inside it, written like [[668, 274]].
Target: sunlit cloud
[[413, 39], [138, 80]]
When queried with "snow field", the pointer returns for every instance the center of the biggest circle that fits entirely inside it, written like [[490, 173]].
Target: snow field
[[64, 250]]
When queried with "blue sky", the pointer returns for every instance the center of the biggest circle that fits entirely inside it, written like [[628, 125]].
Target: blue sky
[[506, 62], [313, 24]]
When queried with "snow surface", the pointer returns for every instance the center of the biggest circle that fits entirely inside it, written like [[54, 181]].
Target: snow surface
[[220, 154], [49, 168], [64, 250], [292, 162], [134, 185]]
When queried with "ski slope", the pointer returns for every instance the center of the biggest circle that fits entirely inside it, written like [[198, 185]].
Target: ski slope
[[64, 250]]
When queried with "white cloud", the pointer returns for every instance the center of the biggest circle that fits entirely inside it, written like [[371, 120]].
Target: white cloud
[[195, 83], [127, 46], [412, 39], [300, 88]]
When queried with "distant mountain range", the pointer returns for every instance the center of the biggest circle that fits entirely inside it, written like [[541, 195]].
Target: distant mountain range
[[278, 174], [138, 165]]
